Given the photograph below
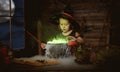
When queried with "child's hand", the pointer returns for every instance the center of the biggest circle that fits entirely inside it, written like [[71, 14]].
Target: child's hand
[[43, 45], [72, 41], [71, 38]]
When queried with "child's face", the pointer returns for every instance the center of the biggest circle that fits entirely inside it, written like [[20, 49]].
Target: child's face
[[64, 25]]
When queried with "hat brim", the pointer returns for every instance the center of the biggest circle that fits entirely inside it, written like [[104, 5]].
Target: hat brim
[[54, 19]]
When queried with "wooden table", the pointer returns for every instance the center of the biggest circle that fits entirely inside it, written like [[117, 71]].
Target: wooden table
[[59, 68]]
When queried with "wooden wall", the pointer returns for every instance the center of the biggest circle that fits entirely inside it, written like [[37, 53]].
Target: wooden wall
[[97, 15]]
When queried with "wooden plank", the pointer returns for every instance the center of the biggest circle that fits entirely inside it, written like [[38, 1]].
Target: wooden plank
[[95, 44], [90, 16], [89, 11], [95, 23], [94, 37], [92, 21], [93, 33], [89, 5]]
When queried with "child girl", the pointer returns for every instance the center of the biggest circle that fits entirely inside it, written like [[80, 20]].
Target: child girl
[[70, 29]]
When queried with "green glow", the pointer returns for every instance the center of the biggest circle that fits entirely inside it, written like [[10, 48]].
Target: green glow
[[58, 40]]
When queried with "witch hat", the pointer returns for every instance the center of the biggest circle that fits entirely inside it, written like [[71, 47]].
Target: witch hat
[[67, 13]]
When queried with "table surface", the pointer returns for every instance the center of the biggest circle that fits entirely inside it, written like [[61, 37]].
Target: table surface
[[63, 67], [66, 64]]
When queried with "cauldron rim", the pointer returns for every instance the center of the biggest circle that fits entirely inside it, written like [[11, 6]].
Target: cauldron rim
[[57, 43]]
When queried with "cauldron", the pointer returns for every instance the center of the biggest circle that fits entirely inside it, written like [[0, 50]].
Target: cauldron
[[57, 50]]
